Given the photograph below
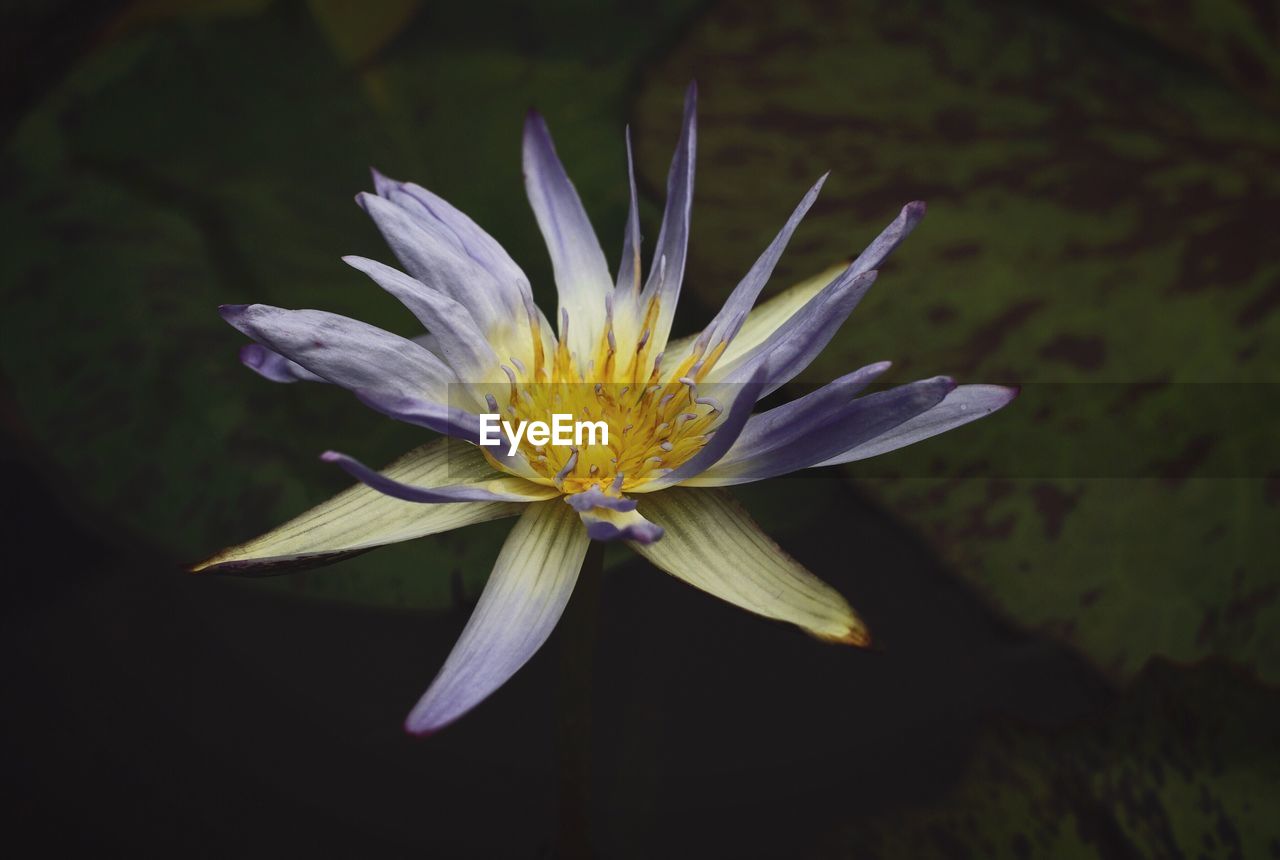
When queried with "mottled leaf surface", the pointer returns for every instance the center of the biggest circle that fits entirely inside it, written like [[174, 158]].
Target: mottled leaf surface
[[1096, 233]]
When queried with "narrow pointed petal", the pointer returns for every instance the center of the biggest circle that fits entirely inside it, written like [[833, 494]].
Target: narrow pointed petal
[[520, 605], [673, 237], [965, 404], [767, 317], [722, 439], [494, 489], [800, 338], [344, 351], [786, 424], [361, 518], [461, 342], [770, 454], [606, 524], [581, 272], [763, 320], [629, 264], [890, 237], [729, 320], [712, 544]]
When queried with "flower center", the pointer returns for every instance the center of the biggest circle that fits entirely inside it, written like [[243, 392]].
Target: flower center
[[656, 419]]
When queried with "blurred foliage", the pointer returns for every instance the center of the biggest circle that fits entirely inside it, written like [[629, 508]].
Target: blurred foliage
[[1093, 235], [1237, 39]]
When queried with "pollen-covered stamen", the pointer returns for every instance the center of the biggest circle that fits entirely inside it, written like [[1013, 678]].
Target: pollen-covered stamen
[[655, 417]]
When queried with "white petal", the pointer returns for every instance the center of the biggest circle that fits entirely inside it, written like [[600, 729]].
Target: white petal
[[519, 607], [581, 272]]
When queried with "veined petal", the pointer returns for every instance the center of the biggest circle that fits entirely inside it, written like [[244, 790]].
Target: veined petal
[[778, 451], [712, 544], [722, 438], [608, 524], [430, 254], [344, 351], [667, 272], [271, 365], [520, 605], [361, 518], [467, 236], [800, 338], [461, 342], [966, 403], [730, 319], [495, 489], [582, 275]]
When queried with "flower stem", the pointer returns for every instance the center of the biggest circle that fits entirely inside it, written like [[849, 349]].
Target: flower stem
[[577, 648]]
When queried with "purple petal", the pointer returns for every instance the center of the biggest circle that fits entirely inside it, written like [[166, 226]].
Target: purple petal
[[429, 253], [459, 339], [673, 237], [519, 607], [727, 322], [629, 264], [798, 341], [857, 421], [449, 420], [344, 351], [786, 424], [723, 437], [581, 272], [966, 403], [274, 366], [890, 237], [466, 235], [596, 498], [435, 495]]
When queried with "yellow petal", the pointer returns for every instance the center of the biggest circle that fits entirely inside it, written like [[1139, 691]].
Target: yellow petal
[[361, 518], [711, 543]]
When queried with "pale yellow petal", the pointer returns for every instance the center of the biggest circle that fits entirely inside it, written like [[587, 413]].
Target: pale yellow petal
[[361, 518], [711, 543]]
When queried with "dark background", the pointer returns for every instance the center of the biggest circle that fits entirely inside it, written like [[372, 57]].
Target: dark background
[[1075, 601]]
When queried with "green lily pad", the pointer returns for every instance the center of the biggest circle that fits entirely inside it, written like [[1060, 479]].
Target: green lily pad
[[1094, 234], [1237, 39], [202, 156], [1187, 766]]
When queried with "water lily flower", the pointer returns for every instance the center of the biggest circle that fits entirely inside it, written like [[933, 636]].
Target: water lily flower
[[679, 412]]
